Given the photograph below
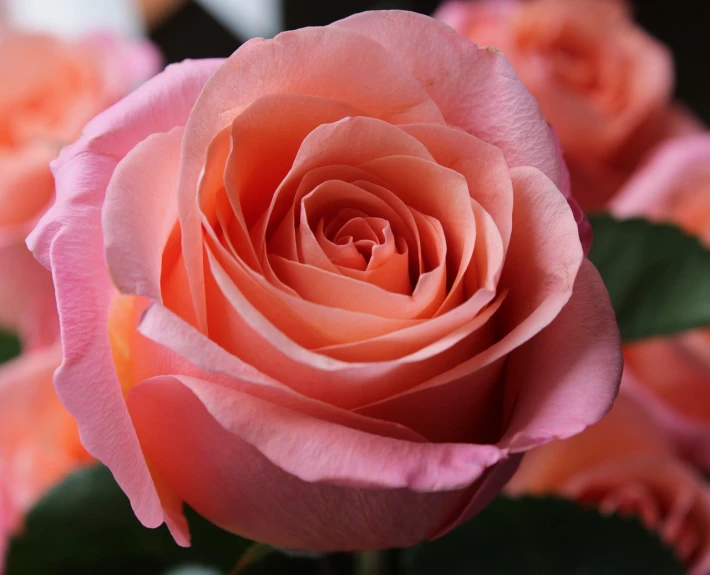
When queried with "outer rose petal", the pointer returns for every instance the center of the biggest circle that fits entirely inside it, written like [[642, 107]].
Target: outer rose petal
[[562, 392], [86, 382], [476, 88], [342, 470]]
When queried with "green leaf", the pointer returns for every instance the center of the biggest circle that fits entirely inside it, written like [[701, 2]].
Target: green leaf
[[658, 276], [86, 526], [545, 536], [9, 346]]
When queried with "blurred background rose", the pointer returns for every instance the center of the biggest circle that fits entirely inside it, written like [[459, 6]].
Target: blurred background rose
[[625, 465], [671, 376], [602, 82]]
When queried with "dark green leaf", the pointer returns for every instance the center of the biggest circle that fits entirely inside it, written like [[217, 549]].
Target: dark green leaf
[[9, 346], [86, 526], [280, 564], [192, 570], [658, 276], [543, 536]]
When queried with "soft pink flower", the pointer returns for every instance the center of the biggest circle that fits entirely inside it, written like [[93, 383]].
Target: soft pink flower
[[602, 82], [671, 376], [49, 89], [624, 464], [294, 292]]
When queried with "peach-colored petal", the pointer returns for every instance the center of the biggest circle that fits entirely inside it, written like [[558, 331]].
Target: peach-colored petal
[[474, 87], [214, 431], [482, 164], [539, 204], [140, 212], [162, 326], [265, 139], [87, 377], [440, 193], [348, 142], [544, 232], [256, 299], [276, 66]]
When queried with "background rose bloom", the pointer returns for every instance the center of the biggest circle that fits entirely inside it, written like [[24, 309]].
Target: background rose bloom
[[49, 89], [39, 440], [624, 464], [601, 81], [671, 376], [326, 291]]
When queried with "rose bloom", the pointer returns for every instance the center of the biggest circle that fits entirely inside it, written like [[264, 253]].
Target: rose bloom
[[624, 464], [326, 291], [602, 82], [49, 89], [671, 375]]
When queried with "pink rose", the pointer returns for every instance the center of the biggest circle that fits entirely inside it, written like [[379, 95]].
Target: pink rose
[[295, 294], [625, 465], [671, 376], [602, 82], [48, 90]]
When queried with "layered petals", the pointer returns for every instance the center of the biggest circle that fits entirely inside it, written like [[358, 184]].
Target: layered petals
[[324, 287]]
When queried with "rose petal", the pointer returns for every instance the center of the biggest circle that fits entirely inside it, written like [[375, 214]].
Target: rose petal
[[475, 88], [276, 66], [215, 427], [87, 377], [561, 393], [140, 212]]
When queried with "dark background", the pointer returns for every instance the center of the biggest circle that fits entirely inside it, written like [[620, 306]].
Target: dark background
[[683, 25]]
